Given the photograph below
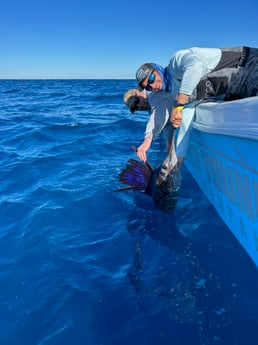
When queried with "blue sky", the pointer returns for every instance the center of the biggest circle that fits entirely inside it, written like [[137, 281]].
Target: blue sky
[[111, 38]]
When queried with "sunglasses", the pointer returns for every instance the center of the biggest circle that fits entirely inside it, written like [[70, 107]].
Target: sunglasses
[[151, 80], [135, 105]]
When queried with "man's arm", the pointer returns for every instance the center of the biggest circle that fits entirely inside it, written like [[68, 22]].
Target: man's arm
[[141, 150]]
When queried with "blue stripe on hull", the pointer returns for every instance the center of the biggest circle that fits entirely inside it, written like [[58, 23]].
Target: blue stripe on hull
[[226, 169]]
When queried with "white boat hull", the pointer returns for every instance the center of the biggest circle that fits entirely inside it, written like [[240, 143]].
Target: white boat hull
[[223, 160]]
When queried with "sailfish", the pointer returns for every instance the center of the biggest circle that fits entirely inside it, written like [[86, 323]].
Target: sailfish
[[162, 183]]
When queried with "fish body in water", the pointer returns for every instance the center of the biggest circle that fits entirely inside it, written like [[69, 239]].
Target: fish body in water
[[165, 193], [161, 183]]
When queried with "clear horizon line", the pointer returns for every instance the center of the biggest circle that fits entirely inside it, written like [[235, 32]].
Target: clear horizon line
[[67, 78]]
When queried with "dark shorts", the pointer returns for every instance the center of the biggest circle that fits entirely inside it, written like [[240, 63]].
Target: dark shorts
[[235, 76]]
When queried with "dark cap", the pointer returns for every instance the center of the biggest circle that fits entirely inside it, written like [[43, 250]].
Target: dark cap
[[143, 72]]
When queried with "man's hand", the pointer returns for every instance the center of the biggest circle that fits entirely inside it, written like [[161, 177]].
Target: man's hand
[[176, 117], [142, 149], [141, 153]]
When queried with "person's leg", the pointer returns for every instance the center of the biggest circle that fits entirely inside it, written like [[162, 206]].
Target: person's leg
[[251, 80], [244, 83]]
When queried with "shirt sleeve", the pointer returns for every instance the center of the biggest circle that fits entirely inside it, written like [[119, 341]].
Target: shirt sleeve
[[161, 106], [188, 69]]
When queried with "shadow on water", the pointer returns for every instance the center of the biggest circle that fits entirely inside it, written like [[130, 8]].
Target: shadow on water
[[201, 278], [159, 273]]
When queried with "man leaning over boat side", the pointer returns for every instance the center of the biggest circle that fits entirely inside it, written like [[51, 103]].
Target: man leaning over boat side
[[159, 105], [196, 74]]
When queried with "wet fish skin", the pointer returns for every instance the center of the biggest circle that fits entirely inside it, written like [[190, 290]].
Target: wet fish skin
[[165, 193], [162, 183]]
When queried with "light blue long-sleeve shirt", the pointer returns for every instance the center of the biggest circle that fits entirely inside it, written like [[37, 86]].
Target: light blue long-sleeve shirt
[[188, 66], [161, 104], [186, 69]]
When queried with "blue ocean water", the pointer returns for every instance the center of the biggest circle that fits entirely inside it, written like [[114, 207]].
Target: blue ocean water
[[81, 264]]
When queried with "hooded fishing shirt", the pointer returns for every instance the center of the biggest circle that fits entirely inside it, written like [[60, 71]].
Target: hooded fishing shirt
[[205, 72]]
